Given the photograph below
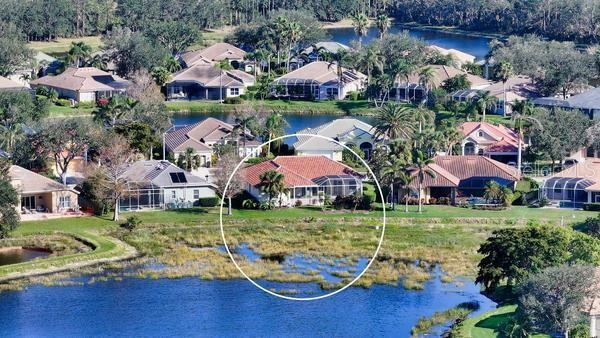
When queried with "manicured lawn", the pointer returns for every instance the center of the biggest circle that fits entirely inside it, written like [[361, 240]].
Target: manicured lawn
[[490, 324], [60, 111], [62, 45], [283, 106]]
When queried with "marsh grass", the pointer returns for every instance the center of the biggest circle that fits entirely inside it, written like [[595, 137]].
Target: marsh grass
[[425, 324]]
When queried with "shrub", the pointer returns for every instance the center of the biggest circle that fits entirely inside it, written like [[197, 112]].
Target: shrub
[[249, 204], [353, 96], [63, 102], [48, 92], [209, 201], [131, 222], [590, 226], [233, 100], [543, 202], [433, 200], [85, 105], [367, 202], [591, 206], [298, 203], [444, 201]]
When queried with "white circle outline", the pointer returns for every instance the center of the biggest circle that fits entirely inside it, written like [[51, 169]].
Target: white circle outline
[[275, 293]]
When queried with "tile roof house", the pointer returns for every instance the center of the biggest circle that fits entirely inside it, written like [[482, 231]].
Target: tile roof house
[[206, 82], [83, 84], [414, 90], [9, 85], [41, 195], [587, 102], [308, 179], [575, 185], [495, 141], [202, 136], [348, 131], [162, 185], [460, 57], [218, 52], [464, 176], [331, 47], [318, 80]]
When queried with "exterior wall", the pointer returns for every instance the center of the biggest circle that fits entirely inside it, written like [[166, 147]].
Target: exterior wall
[[50, 201], [594, 326], [186, 194], [334, 155], [86, 97], [353, 86]]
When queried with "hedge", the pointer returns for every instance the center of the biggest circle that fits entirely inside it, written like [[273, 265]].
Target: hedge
[[209, 201], [591, 206]]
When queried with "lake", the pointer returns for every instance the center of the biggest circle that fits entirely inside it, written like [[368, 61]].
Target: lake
[[18, 255], [192, 307]]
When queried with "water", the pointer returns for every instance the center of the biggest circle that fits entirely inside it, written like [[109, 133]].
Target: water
[[18, 255], [476, 46], [192, 307]]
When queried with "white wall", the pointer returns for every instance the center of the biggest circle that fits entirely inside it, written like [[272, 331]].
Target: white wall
[[333, 155], [186, 193]]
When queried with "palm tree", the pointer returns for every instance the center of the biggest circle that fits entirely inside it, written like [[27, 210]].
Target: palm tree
[[189, 160], [78, 52], [394, 121], [293, 33], [274, 127], [221, 66], [484, 102], [338, 60], [361, 26], [279, 34], [117, 109], [383, 23], [368, 59], [272, 183], [396, 173], [449, 135], [522, 114], [423, 116], [492, 192], [243, 121], [504, 72], [426, 76], [262, 55], [420, 168], [399, 69], [99, 61]]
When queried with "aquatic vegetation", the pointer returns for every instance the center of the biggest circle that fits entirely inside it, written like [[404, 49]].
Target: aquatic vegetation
[[460, 311]]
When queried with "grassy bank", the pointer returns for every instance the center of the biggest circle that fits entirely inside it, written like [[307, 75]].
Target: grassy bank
[[60, 111], [490, 324], [62, 45]]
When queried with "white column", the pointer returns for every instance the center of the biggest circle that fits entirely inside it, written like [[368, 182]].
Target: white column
[[593, 332]]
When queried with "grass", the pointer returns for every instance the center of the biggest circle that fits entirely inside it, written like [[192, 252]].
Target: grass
[[490, 324], [61, 111], [61, 45]]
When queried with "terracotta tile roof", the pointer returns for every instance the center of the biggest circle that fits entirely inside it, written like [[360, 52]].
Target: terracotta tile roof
[[28, 182], [84, 79], [297, 170], [319, 72], [506, 139], [217, 52]]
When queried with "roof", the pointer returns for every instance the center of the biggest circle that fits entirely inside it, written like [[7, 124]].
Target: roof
[[84, 79], [28, 182], [460, 56], [209, 76], [297, 170], [158, 173], [330, 46], [443, 73], [217, 52], [586, 100], [345, 129], [318, 73], [8, 84], [517, 88], [589, 170], [503, 139]]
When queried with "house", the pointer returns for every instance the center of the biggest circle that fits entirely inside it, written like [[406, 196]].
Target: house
[[587, 102], [216, 53], [459, 57], [463, 176], [204, 135], [495, 141], [41, 195], [84, 84], [156, 184], [307, 178], [574, 186], [329, 47], [414, 90], [318, 80], [591, 307], [348, 131], [8, 85], [207, 82]]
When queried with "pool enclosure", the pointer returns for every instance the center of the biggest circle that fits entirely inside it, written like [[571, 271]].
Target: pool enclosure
[[330, 185], [568, 192]]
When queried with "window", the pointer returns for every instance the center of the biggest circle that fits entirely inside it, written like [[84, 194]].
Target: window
[[332, 92], [480, 133], [234, 91], [28, 202], [196, 194], [64, 202]]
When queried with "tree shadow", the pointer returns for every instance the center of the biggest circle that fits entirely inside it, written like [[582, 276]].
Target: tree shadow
[[495, 322], [189, 211]]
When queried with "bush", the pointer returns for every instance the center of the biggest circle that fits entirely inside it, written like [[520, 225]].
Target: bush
[[249, 204], [209, 202], [47, 92], [543, 202], [433, 200], [591, 206], [233, 100], [353, 96], [85, 105], [131, 222], [63, 102], [444, 201], [491, 207], [591, 226]]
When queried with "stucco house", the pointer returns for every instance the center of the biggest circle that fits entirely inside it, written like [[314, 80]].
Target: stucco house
[[329, 47], [318, 80], [587, 102], [202, 137], [41, 195], [207, 82], [347, 131], [495, 141], [459, 57], [463, 176], [307, 178], [156, 184], [84, 84], [574, 186], [218, 52], [8, 85]]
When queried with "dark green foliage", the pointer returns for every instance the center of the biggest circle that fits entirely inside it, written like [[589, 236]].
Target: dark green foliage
[[131, 222], [233, 100], [591, 206], [590, 226], [209, 202], [140, 136], [9, 200], [94, 195], [14, 54]]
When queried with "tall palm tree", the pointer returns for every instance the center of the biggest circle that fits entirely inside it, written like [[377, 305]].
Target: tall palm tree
[[394, 121], [400, 70], [423, 116], [279, 35], [272, 183], [396, 173], [522, 114], [243, 121], [78, 52], [293, 33], [383, 23], [274, 127], [361, 24], [368, 59], [189, 160], [222, 66], [339, 60], [262, 55], [420, 168], [117, 109], [484, 102], [426, 76], [449, 135], [504, 72]]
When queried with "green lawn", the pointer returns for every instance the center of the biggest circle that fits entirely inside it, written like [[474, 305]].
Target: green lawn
[[62, 45], [61, 111], [490, 324]]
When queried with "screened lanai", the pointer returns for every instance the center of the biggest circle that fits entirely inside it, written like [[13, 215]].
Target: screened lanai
[[295, 88], [141, 198], [331, 185], [568, 192]]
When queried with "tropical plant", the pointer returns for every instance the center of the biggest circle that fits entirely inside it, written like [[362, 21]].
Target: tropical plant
[[78, 52], [383, 23], [161, 75], [118, 109], [420, 168], [272, 183], [492, 192], [426, 76], [222, 66], [189, 160], [274, 127], [360, 22], [393, 121], [522, 115], [338, 61], [369, 58], [484, 102], [423, 117], [504, 71]]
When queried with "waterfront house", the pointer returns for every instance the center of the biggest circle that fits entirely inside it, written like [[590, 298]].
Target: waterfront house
[[348, 131], [459, 57], [415, 90], [463, 177], [207, 82], [495, 141], [216, 53], [40, 196], [307, 179], [318, 80], [317, 51], [574, 186], [85, 84], [204, 135], [587, 102], [162, 185]]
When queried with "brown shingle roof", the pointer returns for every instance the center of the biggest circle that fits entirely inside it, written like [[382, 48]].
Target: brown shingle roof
[[217, 52], [28, 182], [84, 79]]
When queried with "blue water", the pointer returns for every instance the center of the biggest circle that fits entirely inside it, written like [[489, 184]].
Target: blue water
[[192, 307], [476, 46]]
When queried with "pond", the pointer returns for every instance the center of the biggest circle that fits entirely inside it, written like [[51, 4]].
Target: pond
[[19, 255], [193, 307], [474, 45]]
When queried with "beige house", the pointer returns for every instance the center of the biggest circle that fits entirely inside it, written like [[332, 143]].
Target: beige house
[[11, 86], [207, 82], [318, 80], [495, 141], [39, 194], [85, 84], [459, 57], [218, 52]]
